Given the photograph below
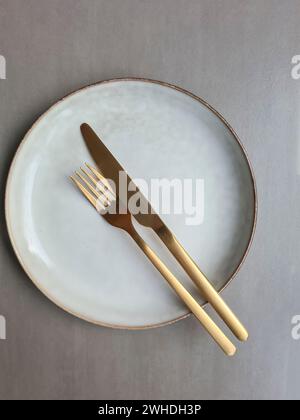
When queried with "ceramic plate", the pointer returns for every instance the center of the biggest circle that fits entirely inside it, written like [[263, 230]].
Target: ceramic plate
[[155, 130]]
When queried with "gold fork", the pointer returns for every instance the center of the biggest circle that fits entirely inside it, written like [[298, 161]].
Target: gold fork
[[99, 193]]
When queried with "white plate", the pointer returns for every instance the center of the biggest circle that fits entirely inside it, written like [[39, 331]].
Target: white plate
[[83, 264]]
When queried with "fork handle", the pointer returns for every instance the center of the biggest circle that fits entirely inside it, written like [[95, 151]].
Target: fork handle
[[190, 302], [208, 291]]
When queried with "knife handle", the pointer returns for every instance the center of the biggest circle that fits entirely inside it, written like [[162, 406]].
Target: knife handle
[[206, 288], [185, 296]]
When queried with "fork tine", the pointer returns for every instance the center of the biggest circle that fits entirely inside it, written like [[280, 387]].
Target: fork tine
[[100, 195], [85, 192], [94, 181], [103, 185], [100, 177], [97, 184], [97, 194], [102, 199]]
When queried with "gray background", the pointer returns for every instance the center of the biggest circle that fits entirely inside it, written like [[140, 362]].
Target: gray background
[[236, 54]]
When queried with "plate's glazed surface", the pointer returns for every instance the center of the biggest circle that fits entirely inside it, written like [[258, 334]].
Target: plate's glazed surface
[[155, 130]]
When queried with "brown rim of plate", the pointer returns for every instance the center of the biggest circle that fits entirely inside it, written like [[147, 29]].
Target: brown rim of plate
[[130, 79]]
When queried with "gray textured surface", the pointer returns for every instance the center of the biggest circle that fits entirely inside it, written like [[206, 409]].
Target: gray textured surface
[[237, 56]]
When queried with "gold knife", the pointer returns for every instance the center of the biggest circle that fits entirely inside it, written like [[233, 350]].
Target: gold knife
[[111, 168]]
